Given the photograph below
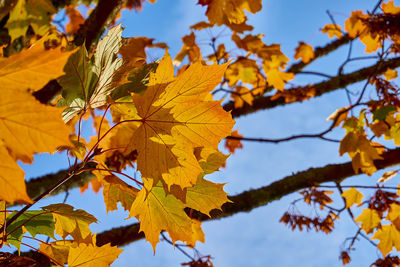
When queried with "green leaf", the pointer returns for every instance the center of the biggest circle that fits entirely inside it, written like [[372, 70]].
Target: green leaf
[[35, 222], [34, 13], [87, 81], [381, 113]]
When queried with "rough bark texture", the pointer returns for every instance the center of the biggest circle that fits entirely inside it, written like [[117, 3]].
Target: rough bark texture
[[305, 92]]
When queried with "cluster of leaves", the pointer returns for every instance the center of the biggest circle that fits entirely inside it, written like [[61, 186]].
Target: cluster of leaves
[[168, 127]]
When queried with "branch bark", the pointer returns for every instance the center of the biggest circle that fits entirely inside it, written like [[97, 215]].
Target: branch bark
[[299, 94]]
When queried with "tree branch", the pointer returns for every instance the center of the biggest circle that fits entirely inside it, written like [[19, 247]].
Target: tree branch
[[248, 200], [299, 94]]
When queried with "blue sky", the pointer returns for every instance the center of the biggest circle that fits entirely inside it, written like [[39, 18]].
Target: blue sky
[[256, 238]]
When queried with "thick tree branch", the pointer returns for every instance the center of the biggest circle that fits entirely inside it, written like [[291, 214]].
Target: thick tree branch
[[299, 94], [320, 52], [248, 200], [251, 199], [93, 27]]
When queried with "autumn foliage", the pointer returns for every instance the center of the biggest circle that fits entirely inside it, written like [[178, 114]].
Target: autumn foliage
[[166, 118]]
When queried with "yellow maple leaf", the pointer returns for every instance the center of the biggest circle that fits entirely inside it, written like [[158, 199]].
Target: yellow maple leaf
[[369, 220], [352, 196], [28, 127], [57, 251], [372, 43], [198, 234], [244, 69], [229, 11], [189, 49], [388, 237], [272, 68], [88, 255], [305, 52], [32, 68], [157, 211], [332, 30], [206, 196], [390, 8], [362, 152], [12, 182], [210, 159], [242, 95], [390, 74], [354, 25], [277, 78], [173, 117], [71, 222], [115, 190]]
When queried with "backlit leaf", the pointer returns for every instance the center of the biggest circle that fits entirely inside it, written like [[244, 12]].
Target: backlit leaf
[[369, 220], [88, 255], [332, 30], [12, 182], [32, 68], [206, 196], [172, 119], [115, 190], [352, 196], [305, 52], [157, 211], [28, 127], [71, 222]]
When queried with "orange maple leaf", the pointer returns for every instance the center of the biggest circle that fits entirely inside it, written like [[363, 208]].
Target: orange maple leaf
[[305, 52], [173, 117]]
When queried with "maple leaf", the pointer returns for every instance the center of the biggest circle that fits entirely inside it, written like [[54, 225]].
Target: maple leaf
[[369, 220], [157, 211], [354, 25], [198, 234], [305, 52], [34, 13], [332, 30], [390, 74], [242, 95], [34, 222], [276, 77], [361, 151], [87, 81], [210, 159], [352, 196], [390, 8], [233, 144], [189, 49], [32, 68], [71, 222], [115, 190], [372, 43], [173, 117], [75, 19], [57, 251], [388, 237], [206, 196], [12, 181], [222, 11], [88, 255], [245, 70], [28, 127]]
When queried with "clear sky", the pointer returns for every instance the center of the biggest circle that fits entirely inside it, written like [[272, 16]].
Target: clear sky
[[256, 238]]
